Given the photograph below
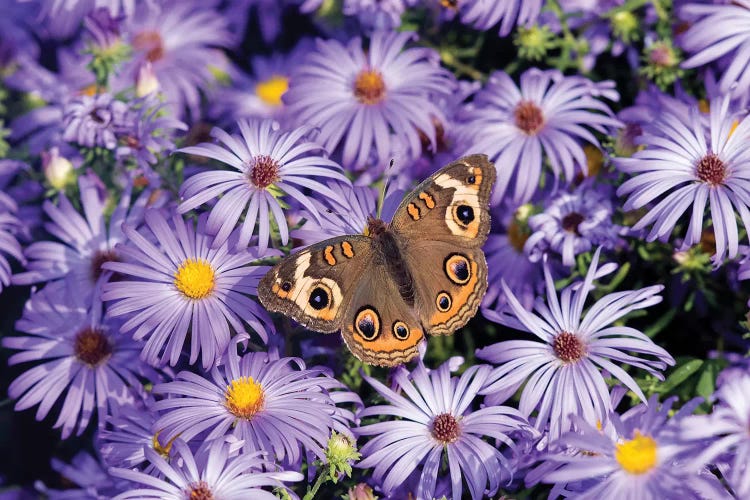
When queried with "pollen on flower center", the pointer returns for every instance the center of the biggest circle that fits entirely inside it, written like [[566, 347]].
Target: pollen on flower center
[[445, 428], [92, 347], [195, 278], [568, 347], [263, 171], [270, 91], [100, 258], [529, 117], [571, 221], [637, 455], [711, 170], [199, 491], [369, 87], [244, 397], [152, 43]]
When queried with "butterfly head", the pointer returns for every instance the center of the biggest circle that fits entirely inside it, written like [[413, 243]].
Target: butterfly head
[[375, 227]]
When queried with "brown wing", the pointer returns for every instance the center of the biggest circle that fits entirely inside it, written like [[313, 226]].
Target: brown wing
[[452, 205], [314, 285], [449, 282], [379, 327]]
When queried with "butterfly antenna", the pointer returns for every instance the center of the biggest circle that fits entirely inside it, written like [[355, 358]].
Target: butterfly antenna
[[381, 198]]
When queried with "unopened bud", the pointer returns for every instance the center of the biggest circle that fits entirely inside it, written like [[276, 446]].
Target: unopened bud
[[57, 169]]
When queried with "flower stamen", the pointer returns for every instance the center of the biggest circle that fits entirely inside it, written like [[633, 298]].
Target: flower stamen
[[529, 117], [271, 90], [92, 347], [263, 171], [369, 87], [711, 170], [445, 428], [637, 455], [200, 491], [568, 347], [195, 278], [244, 397]]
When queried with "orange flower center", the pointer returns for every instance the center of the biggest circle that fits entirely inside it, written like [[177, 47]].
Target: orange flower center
[[369, 87]]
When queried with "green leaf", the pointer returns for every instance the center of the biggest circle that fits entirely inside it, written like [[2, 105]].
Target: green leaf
[[680, 375]]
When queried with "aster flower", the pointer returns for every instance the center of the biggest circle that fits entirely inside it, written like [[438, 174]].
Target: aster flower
[[89, 478], [273, 405], [720, 33], [181, 41], [689, 163], [94, 120], [437, 423], [376, 14], [266, 161], [484, 14], [562, 372], [723, 434], [122, 442], [211, 473], [63, 17], [85, 240], [77, 354], [361, 100], [644, 459], [548, 116], [9, 246], [174, 280], [572, 223]]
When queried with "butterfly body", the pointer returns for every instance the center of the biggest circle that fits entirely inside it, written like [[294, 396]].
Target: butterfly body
[[424, 272]]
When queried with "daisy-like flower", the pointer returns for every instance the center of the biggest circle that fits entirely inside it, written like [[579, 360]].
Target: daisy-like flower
[[94, 120], [174, 280], [266, 161], [643, 459], [723, 434], [484, 14], [548, 117], [572, 223], [211, 473], [563, 371], [376, 14], [273, 405], [86, 242], [77, 354], [89, 479], [720, 33], [436, 422], [361, 100], [181, 41], [691, 163]]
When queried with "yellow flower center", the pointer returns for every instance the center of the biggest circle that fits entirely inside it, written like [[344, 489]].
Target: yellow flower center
[[369, 87], [244, 397], [637, 455], [195, 278], [271, 90], [157, 446], [517, 236]]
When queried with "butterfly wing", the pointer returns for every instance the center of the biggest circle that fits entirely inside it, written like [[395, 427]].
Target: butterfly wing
[[452, 205], [441, 227], [315, 285]]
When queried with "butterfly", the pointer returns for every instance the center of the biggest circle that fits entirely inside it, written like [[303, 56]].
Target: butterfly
[[422, 273]]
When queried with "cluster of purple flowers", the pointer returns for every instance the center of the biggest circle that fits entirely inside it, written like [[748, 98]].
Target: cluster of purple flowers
[[157, 156]]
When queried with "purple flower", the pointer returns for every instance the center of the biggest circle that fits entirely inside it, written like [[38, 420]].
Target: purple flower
[[92, 121], [63, 17], [182, 283], [572, 223], [9, 227], [77, 354], [146, 133], [721, 32], [508, 263], [88, 474], [213, 472], [273, 405], [562, 373], [85, 241], [362, 101], [376, 14], [181, 41], [432, 422], [644, 459], [689, 163], [722, 436], [268, 163], [484, 14], [122, 442], [548, 116]]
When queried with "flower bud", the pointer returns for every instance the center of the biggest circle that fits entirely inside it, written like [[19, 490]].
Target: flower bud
[[57, 169]]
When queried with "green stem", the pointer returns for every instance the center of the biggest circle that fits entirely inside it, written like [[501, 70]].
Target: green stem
[[310, 495]]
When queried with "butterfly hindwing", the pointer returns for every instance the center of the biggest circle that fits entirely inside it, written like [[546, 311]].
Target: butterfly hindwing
[[314, 285], [452, 205]]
